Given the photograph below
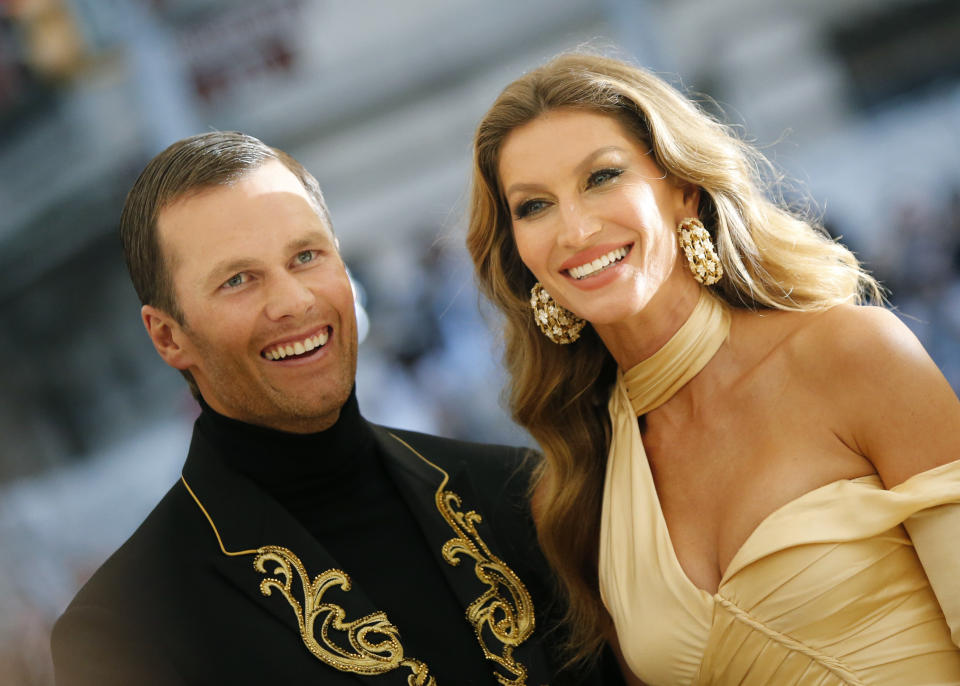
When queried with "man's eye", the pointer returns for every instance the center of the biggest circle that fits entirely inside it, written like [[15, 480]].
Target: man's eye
[[235, 280], [602, 176], [530, 207], [305, 256]]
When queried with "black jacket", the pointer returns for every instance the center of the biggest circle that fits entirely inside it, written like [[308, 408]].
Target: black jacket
[[211, 588]]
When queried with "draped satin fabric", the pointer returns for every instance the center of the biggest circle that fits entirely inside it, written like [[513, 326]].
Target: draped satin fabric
[[826, 590]]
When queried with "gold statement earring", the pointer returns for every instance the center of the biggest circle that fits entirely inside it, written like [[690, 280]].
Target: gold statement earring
[[556, 322], [701, 255]]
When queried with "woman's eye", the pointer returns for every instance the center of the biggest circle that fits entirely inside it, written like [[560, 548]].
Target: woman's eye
[[235, 280], [305, 256], [602, 176], [525, 209]]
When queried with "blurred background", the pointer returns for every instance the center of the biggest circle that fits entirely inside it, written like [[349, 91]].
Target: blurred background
[[859, 100]]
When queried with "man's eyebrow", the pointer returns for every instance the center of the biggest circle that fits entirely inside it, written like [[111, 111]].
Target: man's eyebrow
[[306, 241], [585, 162], [229, 267]]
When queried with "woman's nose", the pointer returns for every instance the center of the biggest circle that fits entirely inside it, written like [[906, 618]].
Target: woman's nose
[[578, 226]]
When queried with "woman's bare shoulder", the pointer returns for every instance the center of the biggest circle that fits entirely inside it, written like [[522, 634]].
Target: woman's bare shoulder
[[850, 355], [891, 401], [842, 339]]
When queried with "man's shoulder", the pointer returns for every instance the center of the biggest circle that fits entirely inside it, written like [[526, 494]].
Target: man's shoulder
[[497, 472], [469, 454], [150, 552], [115, 618], [491, 480]]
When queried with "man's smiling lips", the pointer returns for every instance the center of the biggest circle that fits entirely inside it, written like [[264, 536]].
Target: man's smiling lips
[[595, 260], [297, 347]]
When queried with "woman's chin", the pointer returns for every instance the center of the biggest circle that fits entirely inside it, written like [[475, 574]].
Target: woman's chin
[[609, 318]]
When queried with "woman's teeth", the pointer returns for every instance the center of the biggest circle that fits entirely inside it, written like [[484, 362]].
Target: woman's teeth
[[299, 348], [585, 270]]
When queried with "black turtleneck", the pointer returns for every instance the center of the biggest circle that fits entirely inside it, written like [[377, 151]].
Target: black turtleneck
[[316, 478]]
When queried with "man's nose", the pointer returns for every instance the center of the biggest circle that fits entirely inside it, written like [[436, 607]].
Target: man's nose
[[288, 296]]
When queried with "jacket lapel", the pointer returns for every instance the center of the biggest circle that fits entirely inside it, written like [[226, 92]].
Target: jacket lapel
[[498, 605], [418, 483], [281, 568]]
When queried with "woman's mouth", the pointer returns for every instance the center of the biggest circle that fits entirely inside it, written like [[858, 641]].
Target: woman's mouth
[[599, 264]]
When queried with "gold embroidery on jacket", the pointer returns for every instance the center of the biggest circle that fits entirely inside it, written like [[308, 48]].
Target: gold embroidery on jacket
[[374, 641], [505, 609]]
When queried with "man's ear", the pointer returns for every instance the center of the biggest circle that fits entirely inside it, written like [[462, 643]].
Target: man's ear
[[167, 336]]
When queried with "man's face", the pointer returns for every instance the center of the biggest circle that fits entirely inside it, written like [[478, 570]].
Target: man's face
[[269, 329]]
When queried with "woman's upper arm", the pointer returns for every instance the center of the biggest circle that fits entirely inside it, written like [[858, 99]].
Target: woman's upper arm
[[897, 406]]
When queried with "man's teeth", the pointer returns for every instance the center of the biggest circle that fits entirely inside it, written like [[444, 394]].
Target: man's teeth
[[603, 261], [298, 348]]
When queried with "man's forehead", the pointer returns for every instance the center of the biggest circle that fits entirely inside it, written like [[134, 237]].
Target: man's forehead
[[271, 176], [268, 183], [266, 203]]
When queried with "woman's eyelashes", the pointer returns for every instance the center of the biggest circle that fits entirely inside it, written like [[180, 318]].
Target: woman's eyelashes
[[595, 179], [602, 176], [528, 207]]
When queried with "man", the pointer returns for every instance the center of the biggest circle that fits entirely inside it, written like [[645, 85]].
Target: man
[[301, 542]]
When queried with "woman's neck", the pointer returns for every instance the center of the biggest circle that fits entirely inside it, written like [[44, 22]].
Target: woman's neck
[[634, 340]]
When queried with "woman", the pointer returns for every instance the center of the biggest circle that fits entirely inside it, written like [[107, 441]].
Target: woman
[[748, 526]]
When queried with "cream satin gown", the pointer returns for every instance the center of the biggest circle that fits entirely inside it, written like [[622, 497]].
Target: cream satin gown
[[827, 590]]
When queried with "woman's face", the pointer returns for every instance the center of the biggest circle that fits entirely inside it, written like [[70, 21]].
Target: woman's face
[[594, 218]]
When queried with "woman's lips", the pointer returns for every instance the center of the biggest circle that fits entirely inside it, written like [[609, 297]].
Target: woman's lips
[[598, 264]]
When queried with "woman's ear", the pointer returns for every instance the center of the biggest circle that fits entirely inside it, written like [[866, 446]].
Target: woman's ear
[[690, 199], [167, 336]]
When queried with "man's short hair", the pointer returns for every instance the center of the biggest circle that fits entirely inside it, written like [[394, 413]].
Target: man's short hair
[[188, 166]]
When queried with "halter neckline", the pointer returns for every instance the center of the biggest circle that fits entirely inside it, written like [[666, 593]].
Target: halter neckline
[[654, 381]]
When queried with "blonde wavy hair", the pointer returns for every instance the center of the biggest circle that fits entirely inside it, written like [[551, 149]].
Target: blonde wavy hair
[[773, 258]]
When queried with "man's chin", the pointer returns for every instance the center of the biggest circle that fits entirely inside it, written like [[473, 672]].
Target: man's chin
[[307, 414]]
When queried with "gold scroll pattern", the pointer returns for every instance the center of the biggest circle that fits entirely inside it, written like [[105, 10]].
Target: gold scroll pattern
[[367, 654], [505, 609], [374, 642]]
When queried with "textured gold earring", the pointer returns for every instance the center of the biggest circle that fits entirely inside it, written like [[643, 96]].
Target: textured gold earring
[[701, 255], [556, 322]]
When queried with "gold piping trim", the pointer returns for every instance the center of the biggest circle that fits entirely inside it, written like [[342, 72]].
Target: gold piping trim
[[212, 525], [374, 641], [510, 618]]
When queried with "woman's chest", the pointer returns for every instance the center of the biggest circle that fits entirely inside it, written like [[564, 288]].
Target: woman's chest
[[716, 481]]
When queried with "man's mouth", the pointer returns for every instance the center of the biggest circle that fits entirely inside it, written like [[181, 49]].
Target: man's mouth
[[599, 264], [296, 349]]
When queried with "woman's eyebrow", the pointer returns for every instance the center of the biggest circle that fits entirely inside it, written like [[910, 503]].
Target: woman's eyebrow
[[583, 164]]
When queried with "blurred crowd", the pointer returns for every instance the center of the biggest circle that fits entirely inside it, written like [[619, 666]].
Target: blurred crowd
[[919, 263]]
